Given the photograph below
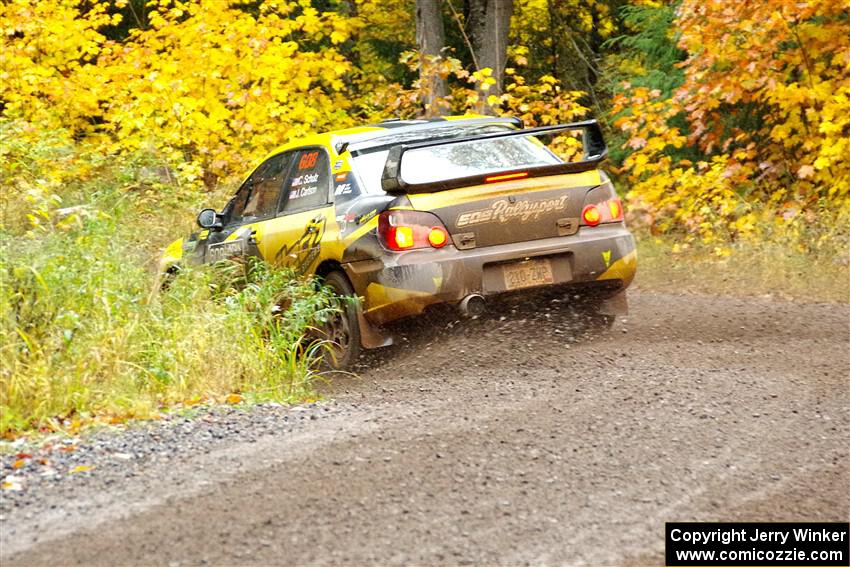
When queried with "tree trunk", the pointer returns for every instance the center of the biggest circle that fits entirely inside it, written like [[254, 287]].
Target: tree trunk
[[430, 38], [489, 22]]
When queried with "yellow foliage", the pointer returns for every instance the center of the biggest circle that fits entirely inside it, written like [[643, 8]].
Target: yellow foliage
[[208, 86], [542, 103], [47, 51]]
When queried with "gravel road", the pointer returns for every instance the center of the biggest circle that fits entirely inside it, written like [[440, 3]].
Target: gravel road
[[521, 438]]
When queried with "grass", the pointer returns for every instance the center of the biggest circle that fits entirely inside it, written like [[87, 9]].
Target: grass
[[84, 340], [767, 268], [85, 335]]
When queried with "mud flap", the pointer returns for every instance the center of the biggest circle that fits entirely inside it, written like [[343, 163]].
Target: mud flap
[[617, 305], [370, 335]]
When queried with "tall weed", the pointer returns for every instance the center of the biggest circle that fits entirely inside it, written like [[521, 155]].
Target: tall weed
[[85, 333]]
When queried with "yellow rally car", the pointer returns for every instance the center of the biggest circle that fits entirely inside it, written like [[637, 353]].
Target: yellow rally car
[[410, 213]]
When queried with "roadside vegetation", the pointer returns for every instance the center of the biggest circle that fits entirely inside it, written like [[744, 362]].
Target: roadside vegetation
[[88, 337], [120, 119], [763, 269]]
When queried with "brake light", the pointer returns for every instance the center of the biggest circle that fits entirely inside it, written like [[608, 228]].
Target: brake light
[[606, 211], [591, 215], [505, 177], [409, 230], [401, 236]]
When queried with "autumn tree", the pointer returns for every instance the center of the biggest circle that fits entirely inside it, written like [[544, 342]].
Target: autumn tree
[[725, 115], [755, 133], [488, 23], [390, 31], [430, 40], [207, 85]]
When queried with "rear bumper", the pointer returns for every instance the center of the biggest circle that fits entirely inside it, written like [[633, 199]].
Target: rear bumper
[[403, 284]]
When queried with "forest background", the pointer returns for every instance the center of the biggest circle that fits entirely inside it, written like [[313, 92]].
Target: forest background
[[728, 125]]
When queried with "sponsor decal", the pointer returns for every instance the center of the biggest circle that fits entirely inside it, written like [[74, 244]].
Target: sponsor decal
[[304, 179], [342, 189], [337, 164], [341, 176], [303, 192], [225, 250], [303, 252], [504, 211], [343, 220], [308, 160], [365, 217], [606, 255]]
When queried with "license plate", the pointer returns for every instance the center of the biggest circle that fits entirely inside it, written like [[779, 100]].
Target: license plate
[[527, 274], [225, 250]]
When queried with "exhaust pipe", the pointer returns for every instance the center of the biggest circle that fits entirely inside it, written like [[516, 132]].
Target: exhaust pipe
[[472, 305]]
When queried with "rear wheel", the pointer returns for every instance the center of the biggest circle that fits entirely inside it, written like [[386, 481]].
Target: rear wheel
[[341, 329]]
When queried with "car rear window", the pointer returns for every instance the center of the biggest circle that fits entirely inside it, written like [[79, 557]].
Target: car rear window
[[439, 163]]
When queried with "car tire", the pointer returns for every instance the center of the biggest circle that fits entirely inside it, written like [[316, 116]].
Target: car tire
[[342, 329]]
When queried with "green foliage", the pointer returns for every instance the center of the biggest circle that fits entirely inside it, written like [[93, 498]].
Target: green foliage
[[648, 54], [86, 335]]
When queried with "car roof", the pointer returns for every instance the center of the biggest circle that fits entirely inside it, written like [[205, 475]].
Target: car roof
[[371, 135]]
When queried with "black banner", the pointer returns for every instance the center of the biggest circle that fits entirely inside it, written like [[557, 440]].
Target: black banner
[[692, 544]]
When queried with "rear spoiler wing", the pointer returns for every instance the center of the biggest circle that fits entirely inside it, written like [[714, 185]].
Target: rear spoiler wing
[[595, 151]]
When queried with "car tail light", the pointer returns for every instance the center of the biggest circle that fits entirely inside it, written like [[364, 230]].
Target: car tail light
[[615, 208], [402, 237], [409, 230], [438, 237], [590, 215], [606, 211]]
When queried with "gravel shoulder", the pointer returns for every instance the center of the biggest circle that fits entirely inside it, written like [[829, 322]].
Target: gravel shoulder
[[523, 437]]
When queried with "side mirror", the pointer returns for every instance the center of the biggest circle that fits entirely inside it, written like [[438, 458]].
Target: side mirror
[[209, 219]]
